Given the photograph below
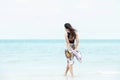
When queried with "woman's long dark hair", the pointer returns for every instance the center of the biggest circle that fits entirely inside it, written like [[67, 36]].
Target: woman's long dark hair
[[72, 31]]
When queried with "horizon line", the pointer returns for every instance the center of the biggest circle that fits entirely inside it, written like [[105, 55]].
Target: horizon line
[[59, 40]]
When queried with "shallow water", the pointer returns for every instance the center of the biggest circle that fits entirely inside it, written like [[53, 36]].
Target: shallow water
[[46, 61]]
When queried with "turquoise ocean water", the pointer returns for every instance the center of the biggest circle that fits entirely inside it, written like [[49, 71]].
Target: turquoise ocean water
[[45, 60]]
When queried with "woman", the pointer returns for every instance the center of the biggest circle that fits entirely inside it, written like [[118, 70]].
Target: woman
[[71, 37]]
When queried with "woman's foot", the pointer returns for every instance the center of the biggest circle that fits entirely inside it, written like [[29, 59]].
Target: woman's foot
[[72, 76], [65, 74]]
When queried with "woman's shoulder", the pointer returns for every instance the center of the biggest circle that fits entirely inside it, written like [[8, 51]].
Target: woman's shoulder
[[76, 33], [66, 33]]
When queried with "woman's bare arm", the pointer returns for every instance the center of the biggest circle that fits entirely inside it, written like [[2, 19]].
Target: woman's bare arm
[[77, 41], [67, 41]]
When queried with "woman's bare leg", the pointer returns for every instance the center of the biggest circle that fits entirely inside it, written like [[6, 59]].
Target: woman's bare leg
[[67, 68], [71, 69]]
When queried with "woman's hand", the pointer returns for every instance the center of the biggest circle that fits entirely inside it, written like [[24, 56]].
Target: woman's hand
[[75, 47], [68, 46]]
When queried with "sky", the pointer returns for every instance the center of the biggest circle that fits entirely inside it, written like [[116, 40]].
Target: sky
[[45, 19]]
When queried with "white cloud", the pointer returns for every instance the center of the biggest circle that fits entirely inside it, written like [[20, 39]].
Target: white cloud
[[84, 4], [45, 18]]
